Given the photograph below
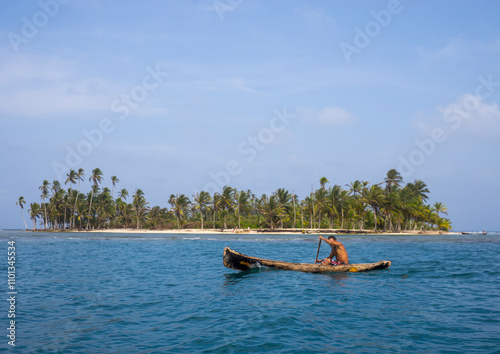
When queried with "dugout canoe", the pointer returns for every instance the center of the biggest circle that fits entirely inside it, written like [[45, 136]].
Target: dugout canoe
[[240, 261]]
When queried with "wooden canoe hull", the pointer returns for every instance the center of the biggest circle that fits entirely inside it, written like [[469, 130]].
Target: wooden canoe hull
[[240, 261]]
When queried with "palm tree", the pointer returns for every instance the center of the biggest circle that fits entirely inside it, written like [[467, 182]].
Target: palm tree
[[156, 216], [202, 200], [343, 199], [83, 213], [67, 205], [21, 203], [55, 201], [355, 188], [180, 205], [215, 207], [374, 197], [420, 190], [320, 203], [444, 224], [226, 202], [123, 194], [96, 179], [35, 210], [105, 208], [331, 202], [440, 208], [295, 200], [55, 205], [272, 210], [114, 181], [419, 215], [323, 181], [139, 202], [242, 204], [433, 217], [393, 178], [72, 176], [45, 193], [284, 199], [257, 207], [357, 203], [390, 207], [124, 212], [362, 204], [56, 187], [309, 207], [80, 176], [302, 205]]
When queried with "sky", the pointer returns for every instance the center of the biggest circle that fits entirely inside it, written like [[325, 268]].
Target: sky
[[182, 96]]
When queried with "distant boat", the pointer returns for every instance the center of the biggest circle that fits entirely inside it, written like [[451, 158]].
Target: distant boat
[[239, 261], [475, 233]]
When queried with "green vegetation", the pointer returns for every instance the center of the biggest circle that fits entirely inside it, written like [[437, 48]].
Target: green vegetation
[[393, 207]]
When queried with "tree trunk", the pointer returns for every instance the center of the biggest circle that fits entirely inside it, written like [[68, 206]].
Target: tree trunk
[[64, 225], [342, 217], [302, 217], [375, 217], [26, 226], [90, 209], [45, 216]]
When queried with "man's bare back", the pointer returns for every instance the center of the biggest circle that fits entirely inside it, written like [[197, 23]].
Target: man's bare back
[[338, 251]]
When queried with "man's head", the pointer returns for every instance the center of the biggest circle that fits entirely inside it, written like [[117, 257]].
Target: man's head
[[332, 238]]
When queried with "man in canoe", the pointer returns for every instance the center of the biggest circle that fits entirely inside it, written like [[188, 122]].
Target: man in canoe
[[338, 251]]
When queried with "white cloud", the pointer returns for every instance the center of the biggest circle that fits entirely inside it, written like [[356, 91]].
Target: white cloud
[[24, 69], [468, 115], [472, 116], [53, 99], [227, 84], [39, 86], [334, 116], [462, 50], [315, 18], [327, 116]]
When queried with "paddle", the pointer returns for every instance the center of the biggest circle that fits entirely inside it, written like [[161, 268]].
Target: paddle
[[317, 254]]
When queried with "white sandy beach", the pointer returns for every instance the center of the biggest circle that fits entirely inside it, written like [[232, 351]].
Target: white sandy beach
[[172, 231]]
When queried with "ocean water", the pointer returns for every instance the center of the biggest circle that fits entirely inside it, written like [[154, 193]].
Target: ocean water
[[159, 293]]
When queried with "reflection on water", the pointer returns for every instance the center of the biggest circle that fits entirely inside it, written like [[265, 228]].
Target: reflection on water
[[236, 276]]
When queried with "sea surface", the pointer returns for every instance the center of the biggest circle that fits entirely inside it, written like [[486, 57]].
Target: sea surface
[[170, 293]]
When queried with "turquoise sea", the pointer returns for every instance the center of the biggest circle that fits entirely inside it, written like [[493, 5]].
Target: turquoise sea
[[161, 293]]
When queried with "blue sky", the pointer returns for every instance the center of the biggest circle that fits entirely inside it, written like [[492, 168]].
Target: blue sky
[[181, 96]]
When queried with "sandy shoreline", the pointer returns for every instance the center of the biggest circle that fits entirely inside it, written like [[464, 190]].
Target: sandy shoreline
[[272, 232]]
